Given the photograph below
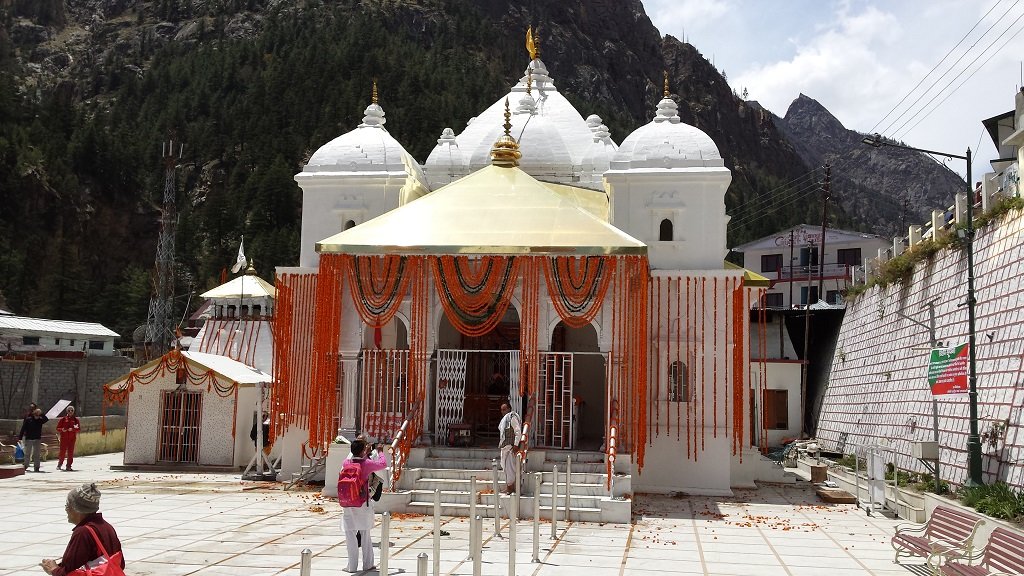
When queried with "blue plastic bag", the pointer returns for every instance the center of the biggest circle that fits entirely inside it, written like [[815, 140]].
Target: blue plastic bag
[[19, 453]]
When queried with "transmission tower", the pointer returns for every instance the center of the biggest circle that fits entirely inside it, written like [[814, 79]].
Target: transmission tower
[[160, 320]]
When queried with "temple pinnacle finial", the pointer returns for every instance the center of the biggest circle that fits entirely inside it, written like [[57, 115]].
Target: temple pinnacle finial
[[505, 151], [531, 44], [373, 97], [529, 80], [666, 83]]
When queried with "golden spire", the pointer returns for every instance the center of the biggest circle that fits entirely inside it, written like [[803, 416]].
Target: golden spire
[[529, 80], [506, 152], [666, 83], [531, 44], [373, 98]]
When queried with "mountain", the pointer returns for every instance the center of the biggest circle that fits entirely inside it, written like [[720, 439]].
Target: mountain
[[89, 89], [883, 191]]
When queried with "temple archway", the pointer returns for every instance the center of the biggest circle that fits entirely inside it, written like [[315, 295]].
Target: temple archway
[[589, 383]]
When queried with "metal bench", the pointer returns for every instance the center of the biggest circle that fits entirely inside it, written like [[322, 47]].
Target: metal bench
[[1004, 554], [947, 535]]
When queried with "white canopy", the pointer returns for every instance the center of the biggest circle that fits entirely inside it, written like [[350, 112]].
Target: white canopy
[[245, 286]]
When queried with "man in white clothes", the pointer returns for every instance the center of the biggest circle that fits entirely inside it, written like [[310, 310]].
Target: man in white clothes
[[509, 430]]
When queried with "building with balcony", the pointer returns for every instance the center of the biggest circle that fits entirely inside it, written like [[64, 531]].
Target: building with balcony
[[798, 266]]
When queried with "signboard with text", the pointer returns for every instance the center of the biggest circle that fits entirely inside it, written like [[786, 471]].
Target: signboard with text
[[947, 370]]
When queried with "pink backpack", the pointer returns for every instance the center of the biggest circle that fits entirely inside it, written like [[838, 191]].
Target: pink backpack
[[352, 490]]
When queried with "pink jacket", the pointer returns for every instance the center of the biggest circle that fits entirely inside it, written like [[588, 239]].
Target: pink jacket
[[368, 466]]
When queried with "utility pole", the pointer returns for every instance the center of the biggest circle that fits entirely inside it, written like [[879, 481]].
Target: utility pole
[[792, 277], [826, 191], [159, 328], [807, 339]]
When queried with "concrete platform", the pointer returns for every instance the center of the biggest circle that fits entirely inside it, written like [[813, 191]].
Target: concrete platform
[[217, 525]]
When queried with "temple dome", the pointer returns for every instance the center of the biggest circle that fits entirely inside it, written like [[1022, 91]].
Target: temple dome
[[554, 138], [666, 142], [368, 148]]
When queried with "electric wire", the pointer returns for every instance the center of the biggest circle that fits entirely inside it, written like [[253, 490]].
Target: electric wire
[[900, 130], [925, 77]]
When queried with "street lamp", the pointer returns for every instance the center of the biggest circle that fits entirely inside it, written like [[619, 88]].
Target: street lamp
[[973, 439]]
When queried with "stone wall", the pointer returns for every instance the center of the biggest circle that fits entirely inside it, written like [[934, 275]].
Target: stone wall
[[878, 386], [77, 379]]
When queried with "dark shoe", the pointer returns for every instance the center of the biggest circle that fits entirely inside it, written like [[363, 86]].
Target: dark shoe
[[69, 469]]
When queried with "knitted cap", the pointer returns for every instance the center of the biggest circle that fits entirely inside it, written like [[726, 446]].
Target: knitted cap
[[85, 499]]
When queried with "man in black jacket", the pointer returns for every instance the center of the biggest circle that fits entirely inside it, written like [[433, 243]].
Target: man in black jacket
[[31, 432]]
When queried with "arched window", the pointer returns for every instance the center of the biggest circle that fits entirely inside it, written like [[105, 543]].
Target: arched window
[[678, 387], [350, 224], [665, 231]]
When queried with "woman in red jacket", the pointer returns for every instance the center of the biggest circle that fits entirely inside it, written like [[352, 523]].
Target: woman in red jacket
[[68, 427]]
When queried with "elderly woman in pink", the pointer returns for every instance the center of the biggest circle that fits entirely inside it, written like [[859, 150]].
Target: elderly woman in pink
[[357, 521]]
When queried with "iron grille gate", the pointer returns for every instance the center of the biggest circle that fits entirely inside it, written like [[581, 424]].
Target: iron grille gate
[[385, 392], [180, 421], [554, 411]]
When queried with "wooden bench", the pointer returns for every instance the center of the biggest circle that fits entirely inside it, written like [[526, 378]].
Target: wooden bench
[[1004, 554], [947, 535], [8, 443]]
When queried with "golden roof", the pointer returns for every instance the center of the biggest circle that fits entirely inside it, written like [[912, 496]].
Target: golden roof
[[495, 210]]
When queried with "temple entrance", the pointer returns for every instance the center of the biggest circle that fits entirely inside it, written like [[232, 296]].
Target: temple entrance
[[180, 419], [587, 384]]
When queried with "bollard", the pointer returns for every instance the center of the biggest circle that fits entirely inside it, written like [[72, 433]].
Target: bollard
[[385, 550], [536, 517], [472, 515], [513, 515], [497, 499], [568, 486], [554, 501], [304, 565], [518, 490], [437, 532], [477, 529], [421, 564]]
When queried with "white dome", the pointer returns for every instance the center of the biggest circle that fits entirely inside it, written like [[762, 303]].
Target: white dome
[[666, 142], [553, 137], [368, 148], [445, 163], [602, 149]]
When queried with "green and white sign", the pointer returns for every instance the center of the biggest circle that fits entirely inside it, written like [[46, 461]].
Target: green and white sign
[[947, 370]]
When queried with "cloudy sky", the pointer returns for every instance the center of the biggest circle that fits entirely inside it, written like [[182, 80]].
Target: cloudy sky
[[860, 58]]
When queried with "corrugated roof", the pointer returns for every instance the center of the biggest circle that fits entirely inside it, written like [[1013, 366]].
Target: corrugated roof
[[226, 367], [245, 286], [44, 326]]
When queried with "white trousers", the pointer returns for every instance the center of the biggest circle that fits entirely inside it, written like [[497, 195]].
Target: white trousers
[[358, 521], [508, 464]]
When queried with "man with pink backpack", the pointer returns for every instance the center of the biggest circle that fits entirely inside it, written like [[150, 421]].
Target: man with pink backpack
[[354, 496]]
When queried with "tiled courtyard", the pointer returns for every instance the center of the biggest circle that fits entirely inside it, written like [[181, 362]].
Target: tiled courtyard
[[206, 524]]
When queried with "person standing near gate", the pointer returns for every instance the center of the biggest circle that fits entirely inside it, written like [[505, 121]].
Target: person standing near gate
[[509, 430], [30, 434], [68, 427]]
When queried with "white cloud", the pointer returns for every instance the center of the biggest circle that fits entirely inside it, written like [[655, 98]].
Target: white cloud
[[680, 17]]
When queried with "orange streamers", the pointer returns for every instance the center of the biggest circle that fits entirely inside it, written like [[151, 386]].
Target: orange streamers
[[378, 285], [326, 337], [577, 286], [475, 293]]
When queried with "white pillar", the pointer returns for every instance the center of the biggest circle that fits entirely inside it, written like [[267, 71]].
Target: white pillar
[[349, 392]]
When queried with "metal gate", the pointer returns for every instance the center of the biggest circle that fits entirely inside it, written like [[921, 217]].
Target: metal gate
[[451, 389], [554, 413], [385, 392], [180, 421]]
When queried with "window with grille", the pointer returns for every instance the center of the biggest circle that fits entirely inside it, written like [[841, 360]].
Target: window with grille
[[771, 262], [776, 409], [849, 256], [678, 385]]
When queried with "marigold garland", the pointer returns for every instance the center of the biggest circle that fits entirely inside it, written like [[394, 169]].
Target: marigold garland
[[378, 285], [529, 323], [326, 336], [475, 293], [577, 286]]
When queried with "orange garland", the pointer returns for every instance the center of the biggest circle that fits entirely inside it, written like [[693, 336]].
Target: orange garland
[[577, 286], [529, 326], [473, 293], [326, 337], [378, 285]]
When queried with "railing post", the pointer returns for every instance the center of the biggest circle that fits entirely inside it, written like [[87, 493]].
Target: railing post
[[497, 513], [385, 545], [554, 502], [536, 517], [437, 532], [477, 528], [472, 515], [421, 564], [513, 515], [568, 485], [305, 564]]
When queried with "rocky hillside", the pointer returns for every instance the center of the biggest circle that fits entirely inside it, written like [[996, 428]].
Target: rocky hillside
[[90, 88], [882, 190]]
